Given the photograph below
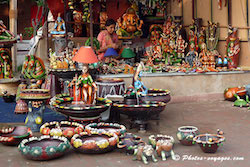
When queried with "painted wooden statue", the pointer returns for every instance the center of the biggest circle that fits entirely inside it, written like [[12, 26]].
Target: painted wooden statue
[[233, 48], [5, 64], [59, 28], [84, 88], [137, 83], [129, 25], [77, 16]]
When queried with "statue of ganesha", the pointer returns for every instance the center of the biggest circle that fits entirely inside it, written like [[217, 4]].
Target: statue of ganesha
[[130, 25]]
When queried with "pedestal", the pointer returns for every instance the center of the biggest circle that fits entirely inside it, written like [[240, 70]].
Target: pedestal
[[34, 119]]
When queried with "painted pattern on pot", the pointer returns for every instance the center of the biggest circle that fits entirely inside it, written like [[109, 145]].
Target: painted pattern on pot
[[63, 128], [209, 143], [110, 127], [186, 134], [94, 142], [14, 135], [44, 148]]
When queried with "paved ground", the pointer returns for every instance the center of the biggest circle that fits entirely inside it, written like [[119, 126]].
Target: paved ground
[[207, 116]]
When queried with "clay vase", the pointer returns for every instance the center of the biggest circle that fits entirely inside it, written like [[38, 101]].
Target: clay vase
[[186, 134]]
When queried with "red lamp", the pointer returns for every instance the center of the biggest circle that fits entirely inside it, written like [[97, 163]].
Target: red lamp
[[85, 55]]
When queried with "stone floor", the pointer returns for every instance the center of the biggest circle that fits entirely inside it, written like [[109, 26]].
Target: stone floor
[[207, 116]]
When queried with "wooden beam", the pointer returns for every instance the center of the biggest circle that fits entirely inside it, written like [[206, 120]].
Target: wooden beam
[[91, 23], [13, 28]]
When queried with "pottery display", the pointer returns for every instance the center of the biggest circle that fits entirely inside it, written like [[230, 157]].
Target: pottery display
[[186, 134], [14, 135], [110, 86], [140, 113], [209, 143], [94, 142], [81, 112], [129, 142], [44, 148], [110, 127], [159, 95], [36, 101], [63, 128]]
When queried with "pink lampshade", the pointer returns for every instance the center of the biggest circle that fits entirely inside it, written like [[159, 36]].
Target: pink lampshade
[[85, 55]]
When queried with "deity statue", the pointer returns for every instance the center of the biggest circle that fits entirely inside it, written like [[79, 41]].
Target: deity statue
[[180, 47], [103, 18], [192, 55], [59, 28], [201, 37], [155, 33], [212, 35], [77, 16], [130, 25], [6, 63], [84, 88], [233, 48]]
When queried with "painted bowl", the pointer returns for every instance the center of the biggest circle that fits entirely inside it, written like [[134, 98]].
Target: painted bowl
[[186, 134], [159, 95], [153, 139], [82, 112], [14, 135], [110, 127], [44, 148], [94, 142], [209, 143], [63, 128]]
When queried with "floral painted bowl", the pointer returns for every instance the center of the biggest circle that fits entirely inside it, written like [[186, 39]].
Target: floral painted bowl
[[186, 134], [14, 135], [94, 142], [63, 128], [209, 143], [44, 148], [110, 127]]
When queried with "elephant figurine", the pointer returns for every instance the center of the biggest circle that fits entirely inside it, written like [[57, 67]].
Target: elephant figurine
[[164, 149], [144, 152]]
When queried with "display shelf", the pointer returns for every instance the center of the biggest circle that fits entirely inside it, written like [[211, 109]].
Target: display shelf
[[162, 74]]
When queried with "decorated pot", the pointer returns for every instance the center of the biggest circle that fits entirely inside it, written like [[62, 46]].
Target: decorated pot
[[94, 142], [110, 127], [14, 135], [186, 134], [209, 143], [63, 128], [44, 148]]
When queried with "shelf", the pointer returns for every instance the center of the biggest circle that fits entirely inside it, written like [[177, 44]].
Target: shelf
[[73, 22]]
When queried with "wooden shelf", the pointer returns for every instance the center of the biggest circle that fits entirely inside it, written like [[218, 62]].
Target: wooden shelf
[[73, 22]]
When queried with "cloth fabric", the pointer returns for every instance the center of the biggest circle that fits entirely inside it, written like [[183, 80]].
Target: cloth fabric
[[105, 39]]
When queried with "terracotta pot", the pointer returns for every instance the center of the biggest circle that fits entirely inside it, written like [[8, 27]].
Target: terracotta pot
[[186, 134], [44, 148], [109, 127], [94, 142], [14, 135], [209, 143]]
